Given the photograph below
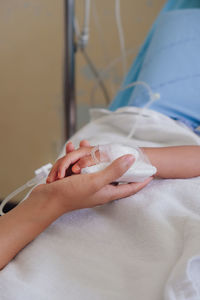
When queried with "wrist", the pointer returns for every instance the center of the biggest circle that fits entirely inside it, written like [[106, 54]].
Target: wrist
[[26, 221], [46, 204]]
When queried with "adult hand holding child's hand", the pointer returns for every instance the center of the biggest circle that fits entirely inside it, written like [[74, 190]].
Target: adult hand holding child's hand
[[89, 190], [47, 202]]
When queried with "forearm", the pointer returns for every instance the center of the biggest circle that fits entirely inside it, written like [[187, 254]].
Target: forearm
[[22, 224], [175, 162]]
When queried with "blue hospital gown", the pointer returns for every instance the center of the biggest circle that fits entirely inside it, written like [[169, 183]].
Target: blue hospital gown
[[171, 66]]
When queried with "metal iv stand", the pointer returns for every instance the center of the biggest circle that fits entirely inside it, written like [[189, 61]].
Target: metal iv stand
[[69, 71]]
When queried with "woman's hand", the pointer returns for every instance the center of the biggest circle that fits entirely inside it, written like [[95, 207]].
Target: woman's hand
[[47, 202], [89, 190]]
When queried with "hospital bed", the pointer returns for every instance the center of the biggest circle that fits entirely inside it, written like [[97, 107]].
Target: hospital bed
[[146, 246]]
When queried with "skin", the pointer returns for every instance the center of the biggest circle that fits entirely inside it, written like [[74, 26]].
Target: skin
[[47, 202], [175, 162], [171, 162]]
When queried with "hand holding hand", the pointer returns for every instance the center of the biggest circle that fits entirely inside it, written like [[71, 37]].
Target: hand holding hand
[[89, 190], [47, 202]]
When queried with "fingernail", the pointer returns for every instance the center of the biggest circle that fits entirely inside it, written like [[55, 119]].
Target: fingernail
[[76, 168]]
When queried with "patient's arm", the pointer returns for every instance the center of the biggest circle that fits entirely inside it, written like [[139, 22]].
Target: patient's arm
[[175, 162], [171, 162]]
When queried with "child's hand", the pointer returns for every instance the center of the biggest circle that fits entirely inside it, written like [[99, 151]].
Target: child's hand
[[86, 161], [64, 166]]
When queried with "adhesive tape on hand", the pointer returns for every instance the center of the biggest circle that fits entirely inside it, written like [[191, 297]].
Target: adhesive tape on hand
[[138, 172]]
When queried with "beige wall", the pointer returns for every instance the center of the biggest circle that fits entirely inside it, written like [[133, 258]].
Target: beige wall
[[31, 68], [31, 62]]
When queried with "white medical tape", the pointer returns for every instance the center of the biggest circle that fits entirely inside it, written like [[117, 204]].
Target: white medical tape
[[96, 148]]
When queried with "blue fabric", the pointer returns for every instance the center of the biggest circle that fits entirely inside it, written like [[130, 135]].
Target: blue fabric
[[169, 61]]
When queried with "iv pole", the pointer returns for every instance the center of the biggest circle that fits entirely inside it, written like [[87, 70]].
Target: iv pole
[[69, 71]]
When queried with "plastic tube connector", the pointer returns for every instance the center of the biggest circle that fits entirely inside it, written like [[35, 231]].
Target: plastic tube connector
[[40, 174]]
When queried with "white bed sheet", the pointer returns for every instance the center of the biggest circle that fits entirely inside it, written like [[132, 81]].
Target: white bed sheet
[[144, 247]]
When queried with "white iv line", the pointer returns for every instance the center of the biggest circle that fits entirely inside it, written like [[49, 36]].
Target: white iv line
[[152, 97], [40, 174]]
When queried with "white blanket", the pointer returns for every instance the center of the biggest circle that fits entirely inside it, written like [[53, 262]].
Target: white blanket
[[144, 247]]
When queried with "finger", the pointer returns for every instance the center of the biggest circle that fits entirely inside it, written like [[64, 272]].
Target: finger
[[126, 190], [69, 147], [83, 163], [113, 171], [84, 143], [52, 174], [72, 158], [86, 161], [76, 168]]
